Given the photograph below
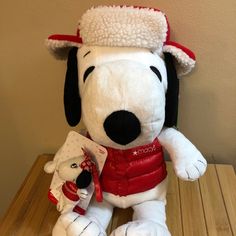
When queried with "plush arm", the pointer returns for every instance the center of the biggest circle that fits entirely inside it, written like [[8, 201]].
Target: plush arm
[[82, 193], [189, 164]]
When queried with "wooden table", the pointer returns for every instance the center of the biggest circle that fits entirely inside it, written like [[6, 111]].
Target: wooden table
[[204, 207]]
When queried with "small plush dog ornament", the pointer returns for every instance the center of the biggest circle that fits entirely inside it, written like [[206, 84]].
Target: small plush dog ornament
[[122, 80], [75, 175]]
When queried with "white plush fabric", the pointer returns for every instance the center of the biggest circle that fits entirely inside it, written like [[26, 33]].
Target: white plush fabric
[[156, 193], [184, 64], [122, 80], [104, 55], [148, 219], [65, 171], [94, 222], [100, 213], [123, 26], [189, 164], [59, 48], [73, 224]]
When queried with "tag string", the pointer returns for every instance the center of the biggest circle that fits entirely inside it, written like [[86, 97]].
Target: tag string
[[90, 166]]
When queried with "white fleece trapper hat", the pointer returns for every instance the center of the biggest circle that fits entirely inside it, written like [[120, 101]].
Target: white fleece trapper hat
[[124, 26]]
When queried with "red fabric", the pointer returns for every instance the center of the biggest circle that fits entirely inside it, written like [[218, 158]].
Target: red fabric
[[184, 49], [79, 210], [52, 198], [89, 165], [97, 186], [70, 190], [77, 38], [134, 170], [69, 38]]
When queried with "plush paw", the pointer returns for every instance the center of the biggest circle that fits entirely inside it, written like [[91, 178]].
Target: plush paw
[[141, 228], [75, 224], [191, 168], [61, 203], [83, 193], [60, 206]]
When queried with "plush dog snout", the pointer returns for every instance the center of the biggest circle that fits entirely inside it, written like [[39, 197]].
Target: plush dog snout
[[122, 127], [84, 179]]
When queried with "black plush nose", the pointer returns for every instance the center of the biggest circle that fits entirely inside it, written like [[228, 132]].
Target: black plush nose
[[122, 127], [84, 179]]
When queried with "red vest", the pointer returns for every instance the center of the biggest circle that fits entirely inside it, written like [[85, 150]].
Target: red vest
[[133, 170]]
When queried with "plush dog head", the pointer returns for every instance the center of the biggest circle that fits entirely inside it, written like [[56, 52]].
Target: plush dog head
[[122, 74], [70, 170], [122, 93]]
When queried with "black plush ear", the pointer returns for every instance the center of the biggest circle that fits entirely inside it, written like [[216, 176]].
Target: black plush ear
[[84, 179], [72, 102], [172, 94]]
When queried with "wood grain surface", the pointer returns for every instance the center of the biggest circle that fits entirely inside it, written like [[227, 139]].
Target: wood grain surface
[[203, 207]]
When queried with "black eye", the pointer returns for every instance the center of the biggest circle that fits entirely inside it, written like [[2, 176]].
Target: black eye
[[157, 72], [86, 54], [88, 71], [74, 165]]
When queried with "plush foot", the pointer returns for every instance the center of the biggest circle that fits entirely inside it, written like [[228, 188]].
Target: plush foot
[[73, 224], [141, 228]]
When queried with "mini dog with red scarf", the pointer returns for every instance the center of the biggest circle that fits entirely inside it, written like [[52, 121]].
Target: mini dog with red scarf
[[76, 175], [122, 80]]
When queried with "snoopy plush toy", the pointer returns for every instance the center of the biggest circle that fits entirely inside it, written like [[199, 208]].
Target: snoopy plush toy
[[75, 179], [121, 80]]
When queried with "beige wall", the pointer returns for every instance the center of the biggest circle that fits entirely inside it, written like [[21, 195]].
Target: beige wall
[[31, 89]]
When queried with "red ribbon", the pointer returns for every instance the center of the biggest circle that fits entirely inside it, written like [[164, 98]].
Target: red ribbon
[[90, 166]]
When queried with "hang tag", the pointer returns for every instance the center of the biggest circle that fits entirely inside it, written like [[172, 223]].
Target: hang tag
[[73, 147]]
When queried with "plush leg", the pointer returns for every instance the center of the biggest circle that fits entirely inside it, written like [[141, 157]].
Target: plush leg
[[148, 220], [93, 223]]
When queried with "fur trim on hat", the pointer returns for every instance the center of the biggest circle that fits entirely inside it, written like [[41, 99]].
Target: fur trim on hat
[[58, 48], [59, 45], [184, 57], [124, 26]]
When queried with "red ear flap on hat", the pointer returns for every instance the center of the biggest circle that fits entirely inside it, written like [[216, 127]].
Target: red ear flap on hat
[[59, 45], [184, 58], [124, 26]]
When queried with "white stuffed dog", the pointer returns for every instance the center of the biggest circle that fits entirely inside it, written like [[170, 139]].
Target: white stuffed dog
[[122, 81], [74, 179]]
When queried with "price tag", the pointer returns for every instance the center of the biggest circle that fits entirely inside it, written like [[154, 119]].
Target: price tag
[[73, 146]]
